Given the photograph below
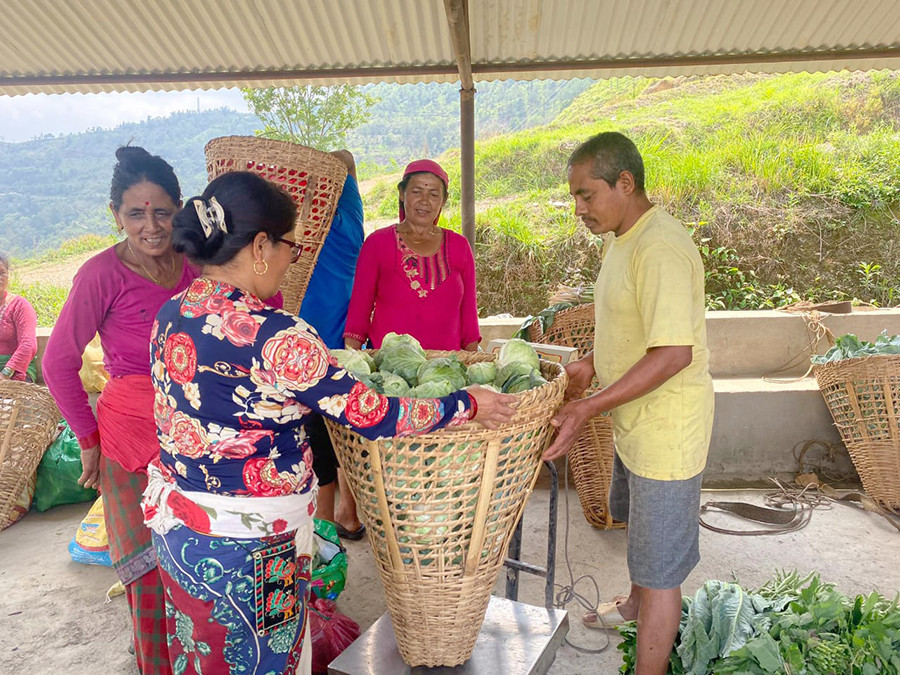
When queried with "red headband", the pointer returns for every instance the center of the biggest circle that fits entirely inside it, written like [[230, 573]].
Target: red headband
[[424, 166]]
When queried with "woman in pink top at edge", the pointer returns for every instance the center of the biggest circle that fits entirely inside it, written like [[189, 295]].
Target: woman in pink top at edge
[[416, 277], [18, 332], [118, 293]]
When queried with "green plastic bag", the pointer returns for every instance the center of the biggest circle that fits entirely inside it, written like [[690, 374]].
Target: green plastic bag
[[58, 473], [329, 574]]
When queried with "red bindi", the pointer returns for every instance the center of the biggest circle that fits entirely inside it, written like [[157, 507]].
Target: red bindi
[[146, 203]]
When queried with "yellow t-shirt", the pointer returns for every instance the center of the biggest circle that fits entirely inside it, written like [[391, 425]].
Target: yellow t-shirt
[[649, 293]]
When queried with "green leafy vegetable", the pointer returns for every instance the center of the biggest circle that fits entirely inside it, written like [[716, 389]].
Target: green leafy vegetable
[[851, 347], [791, 624]]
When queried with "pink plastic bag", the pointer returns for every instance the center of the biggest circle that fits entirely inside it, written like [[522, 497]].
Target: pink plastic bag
[[330, 633]]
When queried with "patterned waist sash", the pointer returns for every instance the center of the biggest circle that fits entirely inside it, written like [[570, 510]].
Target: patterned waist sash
[[166, 506]]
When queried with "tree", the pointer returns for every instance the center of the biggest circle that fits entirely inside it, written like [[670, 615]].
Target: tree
[[319, 117]]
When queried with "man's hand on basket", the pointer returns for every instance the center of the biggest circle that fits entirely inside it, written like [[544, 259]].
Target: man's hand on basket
[[580, 374], [90, 463], [493, 409], [568, 421]]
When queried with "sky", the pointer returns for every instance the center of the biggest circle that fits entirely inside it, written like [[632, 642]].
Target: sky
[[24, 117]]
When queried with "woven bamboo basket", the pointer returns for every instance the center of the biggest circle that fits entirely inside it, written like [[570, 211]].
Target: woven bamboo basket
[[591, 457], [28, 420], [863, 396], [440, 510], [312, 178]]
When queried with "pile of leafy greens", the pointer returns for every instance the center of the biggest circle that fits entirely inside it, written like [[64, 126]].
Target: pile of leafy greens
[[792, 625], [851, 347], [402, 368]]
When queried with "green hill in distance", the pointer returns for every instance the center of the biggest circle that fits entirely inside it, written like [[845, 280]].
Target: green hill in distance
[[54, 188], [57, 188]]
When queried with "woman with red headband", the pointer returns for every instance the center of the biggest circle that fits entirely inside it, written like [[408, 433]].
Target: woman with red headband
[[415, 277]]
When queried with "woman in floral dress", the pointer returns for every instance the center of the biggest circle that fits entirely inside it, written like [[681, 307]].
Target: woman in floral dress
[[230, 500]]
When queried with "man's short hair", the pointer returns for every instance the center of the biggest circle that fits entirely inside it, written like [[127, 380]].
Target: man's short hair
[[610, 153]]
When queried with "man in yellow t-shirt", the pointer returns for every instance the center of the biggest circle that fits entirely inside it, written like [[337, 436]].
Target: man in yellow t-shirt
[[651, 358]]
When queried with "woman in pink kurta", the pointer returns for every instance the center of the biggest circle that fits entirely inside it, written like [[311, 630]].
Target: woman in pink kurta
[[415, 277], [117, 294], [18, 332]]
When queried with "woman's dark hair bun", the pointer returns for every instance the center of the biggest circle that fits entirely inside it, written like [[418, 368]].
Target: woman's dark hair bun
[[250, 203], [136, 165], [132, 153], [190, 238]]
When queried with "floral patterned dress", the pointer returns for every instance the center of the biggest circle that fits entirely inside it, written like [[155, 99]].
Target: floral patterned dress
[[234, 383]]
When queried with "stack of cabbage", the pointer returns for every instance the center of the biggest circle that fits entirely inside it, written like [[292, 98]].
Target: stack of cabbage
[[401, 368]]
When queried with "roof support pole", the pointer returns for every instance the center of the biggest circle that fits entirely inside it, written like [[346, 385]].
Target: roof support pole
[[458, 22], [467, 162]]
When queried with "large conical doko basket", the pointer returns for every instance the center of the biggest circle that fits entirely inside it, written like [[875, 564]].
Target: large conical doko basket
[[591, 456], [312, 178], [28, 419], [863, 397], [440, 510]]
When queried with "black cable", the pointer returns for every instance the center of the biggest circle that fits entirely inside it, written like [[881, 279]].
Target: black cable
[[567, 594]]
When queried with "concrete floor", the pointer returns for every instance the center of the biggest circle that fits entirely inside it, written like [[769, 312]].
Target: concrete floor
[[55, 620]]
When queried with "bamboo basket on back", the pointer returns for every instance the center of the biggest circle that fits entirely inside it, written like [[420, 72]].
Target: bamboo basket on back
[[440, 510], [591, 457], [312, 178], [863, 396], [28, 423]]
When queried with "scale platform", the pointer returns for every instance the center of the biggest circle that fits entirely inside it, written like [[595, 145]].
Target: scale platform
[[516, 639]]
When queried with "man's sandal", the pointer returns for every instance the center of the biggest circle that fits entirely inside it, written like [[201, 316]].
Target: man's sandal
[[606, 616]]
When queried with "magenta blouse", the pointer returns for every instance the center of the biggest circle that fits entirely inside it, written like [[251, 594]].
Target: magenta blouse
[[119, 304], [431, 298], [18, 333]]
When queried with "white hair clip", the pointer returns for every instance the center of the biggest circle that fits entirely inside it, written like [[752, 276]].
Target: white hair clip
[[211, 215]]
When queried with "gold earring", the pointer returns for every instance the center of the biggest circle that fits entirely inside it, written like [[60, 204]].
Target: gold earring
[[265, 268]]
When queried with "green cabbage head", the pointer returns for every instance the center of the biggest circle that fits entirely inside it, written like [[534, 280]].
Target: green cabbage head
[[511, 370], [394, 385], [403, 360], [443, 369], [354, 360], [432, 389], [481, 373], [394, 340], [518, 351]]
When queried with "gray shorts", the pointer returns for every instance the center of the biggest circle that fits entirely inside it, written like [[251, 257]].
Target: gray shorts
[[663, 525]]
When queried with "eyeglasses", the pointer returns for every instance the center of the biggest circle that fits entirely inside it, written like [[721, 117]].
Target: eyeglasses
[[298, 249]]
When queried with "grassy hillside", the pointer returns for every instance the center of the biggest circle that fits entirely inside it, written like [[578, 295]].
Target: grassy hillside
[[789, 183]]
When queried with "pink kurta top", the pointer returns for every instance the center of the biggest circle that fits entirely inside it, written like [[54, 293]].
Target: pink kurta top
[[431, 298], [18, 328], [119, 304]]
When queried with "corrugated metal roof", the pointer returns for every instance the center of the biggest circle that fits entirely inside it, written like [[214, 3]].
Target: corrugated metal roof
[[55, 46]]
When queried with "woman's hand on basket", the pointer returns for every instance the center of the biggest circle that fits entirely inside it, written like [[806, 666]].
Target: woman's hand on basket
[[493, 409], [569, 422], [90, 464], [580, 374]]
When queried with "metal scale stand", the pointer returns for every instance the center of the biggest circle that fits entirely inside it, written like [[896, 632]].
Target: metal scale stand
[[515, 639]]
